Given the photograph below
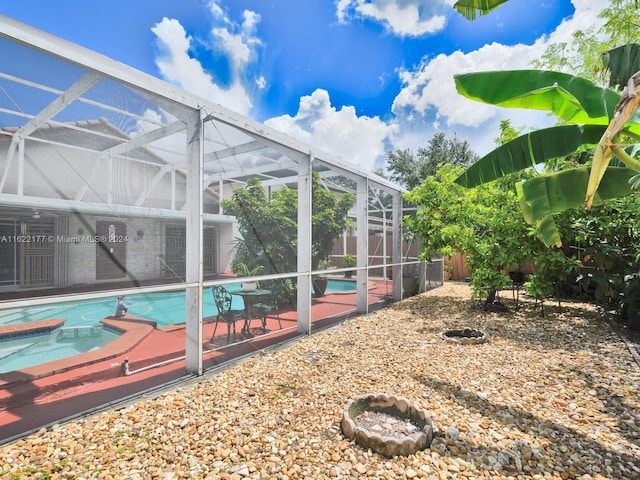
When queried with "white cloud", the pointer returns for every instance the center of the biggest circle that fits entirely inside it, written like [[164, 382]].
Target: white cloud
[[342, 7], [412, 18], [238, 44], [585, 16], [217, 11], [238, 51], [431, 88], [251, 20], [428, 94], [428, 100], [340, 132]]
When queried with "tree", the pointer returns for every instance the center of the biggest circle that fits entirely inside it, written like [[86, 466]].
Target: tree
[[507, 132], [410, 170], [587, 118], [267, 232], [609, 239], [583, 55], [269, 225], [481, 222]]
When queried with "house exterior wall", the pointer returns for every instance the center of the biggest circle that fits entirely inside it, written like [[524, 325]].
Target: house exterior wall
[[227, 234], [143, 256], [62, 173]]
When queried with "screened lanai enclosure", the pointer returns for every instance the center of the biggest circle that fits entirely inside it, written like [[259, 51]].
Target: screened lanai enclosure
[[111, 186]]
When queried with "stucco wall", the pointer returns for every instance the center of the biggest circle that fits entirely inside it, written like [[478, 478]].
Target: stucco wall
[[143, 257]]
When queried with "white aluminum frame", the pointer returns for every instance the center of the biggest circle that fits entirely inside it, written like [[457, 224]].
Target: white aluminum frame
[[194, 113]]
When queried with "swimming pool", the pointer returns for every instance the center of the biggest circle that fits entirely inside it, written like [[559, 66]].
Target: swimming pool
[[82, 331], [166, 308], [336, 286], [24, 352]]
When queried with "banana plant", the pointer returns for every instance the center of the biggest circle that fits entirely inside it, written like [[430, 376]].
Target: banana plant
[[592, 117]]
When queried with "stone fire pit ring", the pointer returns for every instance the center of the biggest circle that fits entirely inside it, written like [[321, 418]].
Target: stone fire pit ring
[[464, 336], [411, 430]]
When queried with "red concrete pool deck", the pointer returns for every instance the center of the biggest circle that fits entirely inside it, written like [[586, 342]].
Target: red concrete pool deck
[[47, 393]]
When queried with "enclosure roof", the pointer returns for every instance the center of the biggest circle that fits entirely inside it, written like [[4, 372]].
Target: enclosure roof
[[127, 113]]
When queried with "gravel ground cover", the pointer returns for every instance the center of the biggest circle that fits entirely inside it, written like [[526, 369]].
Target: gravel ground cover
[[546, 397]]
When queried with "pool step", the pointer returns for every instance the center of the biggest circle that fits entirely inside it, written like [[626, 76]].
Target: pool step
[[77, 332]]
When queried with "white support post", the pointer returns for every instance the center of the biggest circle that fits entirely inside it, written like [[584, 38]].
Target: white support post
[[362, 222], [396, 248], [194, 261], [173, 188], [305, 189], [385, 257], [21, 167]]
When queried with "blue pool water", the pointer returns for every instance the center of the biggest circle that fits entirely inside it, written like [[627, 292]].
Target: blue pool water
[[341, 286], [164, 308], [37, 349], [167, 308], [82, 331]]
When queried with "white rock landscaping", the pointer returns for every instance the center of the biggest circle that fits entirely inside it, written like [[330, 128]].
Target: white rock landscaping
[[553, 397]]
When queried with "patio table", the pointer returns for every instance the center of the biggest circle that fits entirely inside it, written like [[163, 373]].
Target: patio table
[[250, 298]]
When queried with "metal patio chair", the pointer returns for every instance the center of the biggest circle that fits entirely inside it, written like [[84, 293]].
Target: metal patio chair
[[270, 303], [222, 299]]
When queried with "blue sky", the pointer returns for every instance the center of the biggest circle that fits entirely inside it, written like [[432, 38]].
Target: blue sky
[[354, 78]]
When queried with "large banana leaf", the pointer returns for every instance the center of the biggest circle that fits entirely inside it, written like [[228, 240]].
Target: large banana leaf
[[571, 98], [529, 150], [574, 100], [623, 62], [471, 9], [545, 195]]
